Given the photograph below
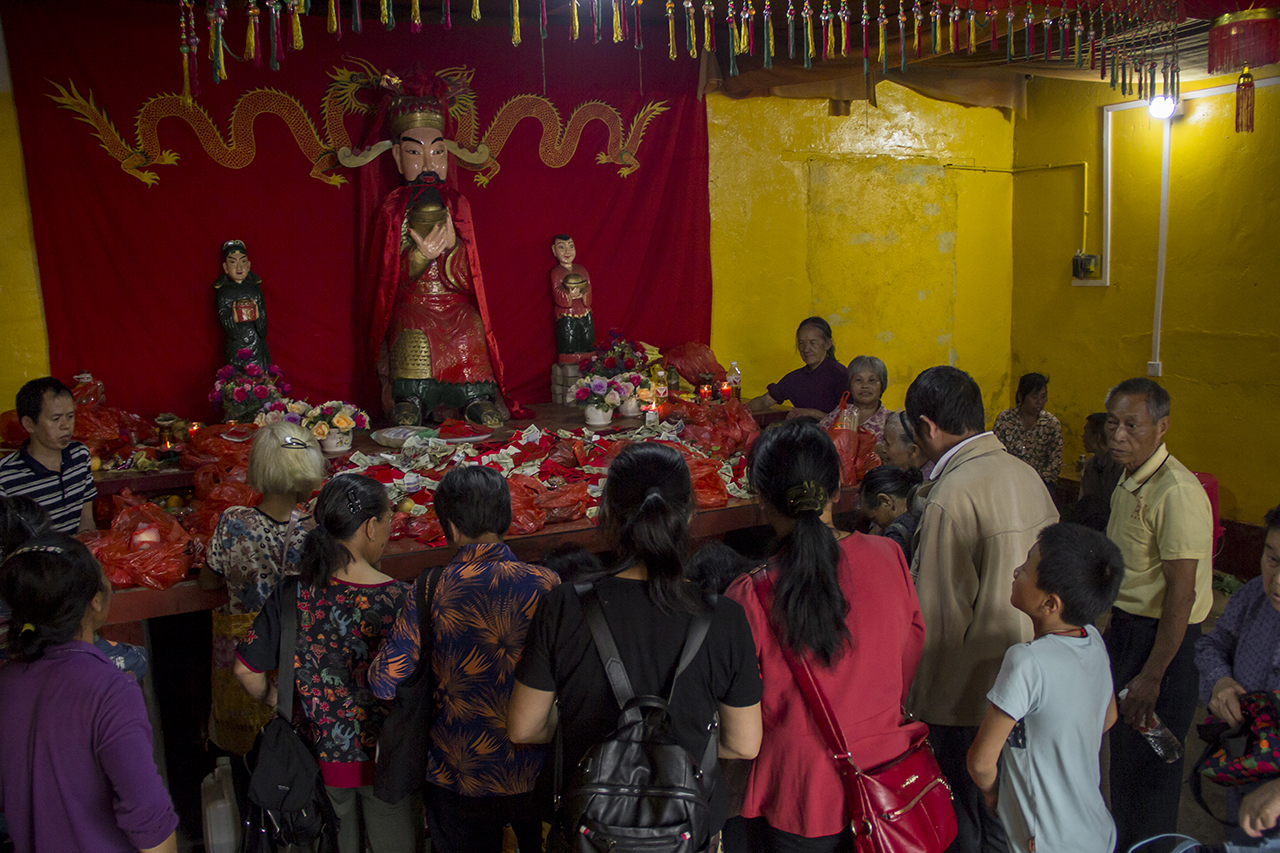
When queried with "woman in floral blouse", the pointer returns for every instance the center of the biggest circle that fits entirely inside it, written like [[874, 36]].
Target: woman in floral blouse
[[249, 551], [346, 608], [1030, 433]]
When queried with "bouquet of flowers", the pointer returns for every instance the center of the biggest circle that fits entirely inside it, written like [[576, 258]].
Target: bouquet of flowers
[[606, 393], [283, 409], [620, 356], [244, 388], [334, 415]]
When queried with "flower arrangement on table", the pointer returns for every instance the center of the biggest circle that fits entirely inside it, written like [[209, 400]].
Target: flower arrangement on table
[[604, 393], [282, 409], [334, 416], [244, 388], [620, 356]]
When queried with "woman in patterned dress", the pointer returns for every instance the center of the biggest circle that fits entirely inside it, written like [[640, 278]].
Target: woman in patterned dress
[[251, 548], [346, 608], [1030, 433]]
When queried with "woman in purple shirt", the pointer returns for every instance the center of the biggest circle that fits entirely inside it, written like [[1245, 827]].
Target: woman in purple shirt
[[76, 772], [816, 388]]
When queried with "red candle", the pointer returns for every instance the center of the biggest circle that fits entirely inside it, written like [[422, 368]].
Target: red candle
[[726, 391], [704, 393]]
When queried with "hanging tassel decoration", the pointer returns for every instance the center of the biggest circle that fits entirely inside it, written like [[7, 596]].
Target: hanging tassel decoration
[[884, 52], [768, 35], [295, 25], [573, 19], [1079, 40], [828, 34], [334, 22], [935, 13], [217, 14], [709, 27], [919, 16], [515, 23], [1008, 34], [357, 21], [732, 20], [791, 26], [991, 20], [1030, 28], [251, 52], [690, 30], [902, 37], [273, 33], [671, 30], [1048, 35], [866, 41], [1064, 35], [955, 28], [749, 24], [809, 51], [446, 14], [639, 34], [972, 42], [619, 21], [844, 28], [595, 21], [415, 16], [185, 48], [475, 9]]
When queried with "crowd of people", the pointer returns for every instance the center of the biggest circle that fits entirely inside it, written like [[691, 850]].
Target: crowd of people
[[969, 617]]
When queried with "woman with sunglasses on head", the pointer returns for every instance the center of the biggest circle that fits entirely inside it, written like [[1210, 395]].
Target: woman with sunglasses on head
[[346, 608], [842, 602], [249, 551], [76, 766]]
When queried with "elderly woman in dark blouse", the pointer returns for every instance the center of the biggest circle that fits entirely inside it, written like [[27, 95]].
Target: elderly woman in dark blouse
[[814, 389]]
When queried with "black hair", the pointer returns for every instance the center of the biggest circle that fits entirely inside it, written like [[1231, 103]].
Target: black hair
[[796, 469], [1272, 519], [645, 512], [1096, 424], [889, 480], [48, 583], [715, 565], [573, 562], [1030, 383], [949, 397], [1082, 567], [231, 247], [21, 519], [1159, 403], [346, 502], [822, 326], [30, 400], [475, 499], [559, 237]]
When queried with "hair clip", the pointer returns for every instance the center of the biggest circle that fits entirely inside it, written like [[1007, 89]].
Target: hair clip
[[353, 502], [47, 549], [807, 497], [27, 627], [293, 443]]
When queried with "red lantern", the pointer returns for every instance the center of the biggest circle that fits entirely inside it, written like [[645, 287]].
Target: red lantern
[[1251, 37]]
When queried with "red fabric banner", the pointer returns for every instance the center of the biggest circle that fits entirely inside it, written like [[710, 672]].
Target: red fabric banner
[[132, 193]]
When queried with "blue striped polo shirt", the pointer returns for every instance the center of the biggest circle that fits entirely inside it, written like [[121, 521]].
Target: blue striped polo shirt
[[61, 493]]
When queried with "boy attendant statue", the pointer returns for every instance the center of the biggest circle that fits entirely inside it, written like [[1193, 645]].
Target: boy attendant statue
[[571, 294]]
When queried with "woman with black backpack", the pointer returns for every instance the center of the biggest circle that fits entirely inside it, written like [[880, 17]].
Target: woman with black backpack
[[652, 614]]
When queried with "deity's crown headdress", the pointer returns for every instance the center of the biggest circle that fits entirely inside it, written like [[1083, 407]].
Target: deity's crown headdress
[[233, 246]]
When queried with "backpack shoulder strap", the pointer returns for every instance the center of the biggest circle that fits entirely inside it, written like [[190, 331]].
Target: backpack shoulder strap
[[610, 658], [288, 645]]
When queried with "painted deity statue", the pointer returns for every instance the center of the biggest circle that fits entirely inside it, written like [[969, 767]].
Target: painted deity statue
[[437, 353], [241, 309], [571, 295]]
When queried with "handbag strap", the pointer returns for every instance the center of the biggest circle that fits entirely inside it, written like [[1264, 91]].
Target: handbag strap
[[288, 646], [816, 700], [294, 518], [426, 637]]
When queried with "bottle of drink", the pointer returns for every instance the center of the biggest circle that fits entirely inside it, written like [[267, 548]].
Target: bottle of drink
[[658, 377], [1165, 743], [735, 380], [673, 382]]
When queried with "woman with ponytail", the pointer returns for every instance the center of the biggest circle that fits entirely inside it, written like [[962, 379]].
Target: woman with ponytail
[[845, 603], [648, 604], [346, 608], [76, 766]]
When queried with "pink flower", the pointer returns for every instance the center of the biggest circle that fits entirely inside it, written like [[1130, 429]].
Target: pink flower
[[260, 392], [239, 395], [628, 363], [215, 395], [285, 387], [361, 421], [274, 370], [243, 353], [581, 394], [329, 410], [252, 370], [225, 373], [610, 362]]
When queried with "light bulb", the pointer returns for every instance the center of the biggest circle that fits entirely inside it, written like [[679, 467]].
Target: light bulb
[[1162, 107]]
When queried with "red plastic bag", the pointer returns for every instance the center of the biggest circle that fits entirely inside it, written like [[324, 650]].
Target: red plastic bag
[[709, 490], [209, 477], [567, 503], [210, 442], [526, 516], [231, 493], [857, 451], [164, 554], [692, 360]]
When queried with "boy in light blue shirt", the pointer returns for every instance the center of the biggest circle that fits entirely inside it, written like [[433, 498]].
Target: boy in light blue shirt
[[1036, 755]]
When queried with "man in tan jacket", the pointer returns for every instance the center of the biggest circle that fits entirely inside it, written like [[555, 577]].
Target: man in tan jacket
[[983, 509]]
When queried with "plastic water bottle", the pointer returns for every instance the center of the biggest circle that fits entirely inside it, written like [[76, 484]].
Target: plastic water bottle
[[658, 378], [1166, 744], [735, 380]]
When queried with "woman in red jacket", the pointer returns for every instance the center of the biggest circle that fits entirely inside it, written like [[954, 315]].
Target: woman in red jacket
[[846, 603]]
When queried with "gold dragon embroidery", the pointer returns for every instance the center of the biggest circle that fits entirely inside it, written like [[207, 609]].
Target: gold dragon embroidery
[[558, 144]]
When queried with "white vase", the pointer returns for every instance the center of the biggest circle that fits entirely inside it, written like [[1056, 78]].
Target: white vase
[[599, 416], [630, 407], [337, 441]]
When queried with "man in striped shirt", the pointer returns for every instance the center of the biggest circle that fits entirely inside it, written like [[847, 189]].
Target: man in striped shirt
[[51, 468]]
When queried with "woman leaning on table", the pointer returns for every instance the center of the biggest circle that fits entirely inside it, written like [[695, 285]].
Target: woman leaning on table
[[816, 388], [845, 603]]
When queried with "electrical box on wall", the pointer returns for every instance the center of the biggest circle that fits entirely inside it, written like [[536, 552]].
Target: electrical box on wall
[[1086, 270]]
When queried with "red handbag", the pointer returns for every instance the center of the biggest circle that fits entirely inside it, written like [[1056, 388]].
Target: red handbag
[[901, 806]]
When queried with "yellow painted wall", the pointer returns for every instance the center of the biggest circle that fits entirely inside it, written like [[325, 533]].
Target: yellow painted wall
[[1220, 338], [24, 346], [856, 219]]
